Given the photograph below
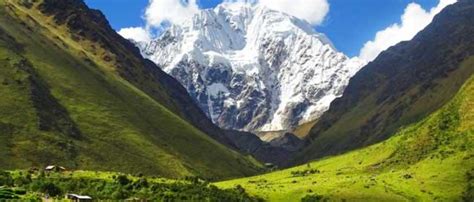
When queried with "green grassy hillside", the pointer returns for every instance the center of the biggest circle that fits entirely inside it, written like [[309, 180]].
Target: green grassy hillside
[[63, 104], [431, 160], [403, 85]]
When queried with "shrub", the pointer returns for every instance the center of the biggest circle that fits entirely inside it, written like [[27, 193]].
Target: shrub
[[239, 189], [141, 183], [21, 181], [313, 198], [123, 180], [6, 179], [305, 172], [27, 3], [407, 176], [120, 194], [50, 189]]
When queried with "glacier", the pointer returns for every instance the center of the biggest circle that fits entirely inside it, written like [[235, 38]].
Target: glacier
[[253, 69]]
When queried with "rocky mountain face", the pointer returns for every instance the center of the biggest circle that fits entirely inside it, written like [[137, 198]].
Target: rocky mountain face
[[401, 86], [253, 69]]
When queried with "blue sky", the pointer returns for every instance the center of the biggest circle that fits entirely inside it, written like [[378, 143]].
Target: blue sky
[[349, 23]]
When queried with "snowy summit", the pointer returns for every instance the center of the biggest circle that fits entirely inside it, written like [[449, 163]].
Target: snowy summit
[[253, 69]]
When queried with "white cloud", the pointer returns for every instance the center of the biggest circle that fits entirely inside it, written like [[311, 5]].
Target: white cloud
[[313, 11], [241, 1], [138, 34], [176, 11], [413, 20], [173, 11]]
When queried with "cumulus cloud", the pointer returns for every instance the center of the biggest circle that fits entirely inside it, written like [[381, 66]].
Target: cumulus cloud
[[173, 11], [177, 11], [313, 11], [413, 20], [138, 34]]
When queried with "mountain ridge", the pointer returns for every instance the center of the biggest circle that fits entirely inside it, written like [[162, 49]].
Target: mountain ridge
[[251, 68]]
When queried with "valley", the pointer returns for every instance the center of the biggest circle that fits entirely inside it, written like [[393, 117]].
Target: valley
[[239, 102]]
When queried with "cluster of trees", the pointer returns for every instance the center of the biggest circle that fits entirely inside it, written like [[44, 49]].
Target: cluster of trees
[[120, 187], [305, 172]]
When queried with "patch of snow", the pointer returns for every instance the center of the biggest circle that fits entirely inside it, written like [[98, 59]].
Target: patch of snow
[[216, 89]]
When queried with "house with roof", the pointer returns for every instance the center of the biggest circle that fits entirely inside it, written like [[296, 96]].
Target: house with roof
[[78, 198], [54, 168]]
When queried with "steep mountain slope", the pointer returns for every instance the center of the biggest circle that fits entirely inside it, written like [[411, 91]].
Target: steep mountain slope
[[403, 85], [82, 97], [125, 58], [253, 69], [431, 160]]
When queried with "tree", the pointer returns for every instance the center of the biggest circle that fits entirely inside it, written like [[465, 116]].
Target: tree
[[6, 179], [123, 180]]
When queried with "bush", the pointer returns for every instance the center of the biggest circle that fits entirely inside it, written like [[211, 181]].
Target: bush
[[21, 181], [141, 183], [27, 3], [120, 194], [6, 179], [51, 189], [313, 198], [239, 189], [123, 180], [305, 172]]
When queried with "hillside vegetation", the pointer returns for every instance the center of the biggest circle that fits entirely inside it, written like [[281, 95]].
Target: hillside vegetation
[[64, 104], [34, 185], [431, 160], [403, 85]]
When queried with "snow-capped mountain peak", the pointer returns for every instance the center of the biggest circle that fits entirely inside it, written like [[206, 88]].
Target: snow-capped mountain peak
[[251, 68]]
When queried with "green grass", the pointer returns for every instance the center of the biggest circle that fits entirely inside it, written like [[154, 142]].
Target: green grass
[[121, 128], [431, 160]]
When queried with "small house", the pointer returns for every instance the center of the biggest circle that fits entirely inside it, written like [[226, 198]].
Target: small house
[[78, 198], [270, 166], [54, 168]]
